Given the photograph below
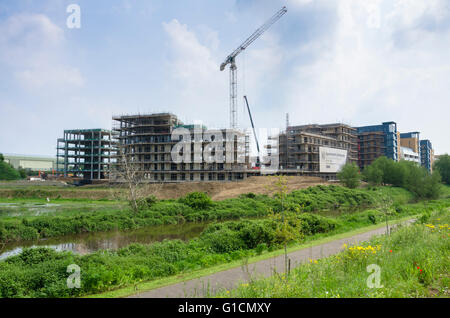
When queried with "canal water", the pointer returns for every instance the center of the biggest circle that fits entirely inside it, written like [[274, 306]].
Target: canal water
[[86, 243]]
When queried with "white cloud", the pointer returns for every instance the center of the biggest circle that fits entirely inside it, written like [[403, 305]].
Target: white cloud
[[197, 89], [396, 70], [32, 47]]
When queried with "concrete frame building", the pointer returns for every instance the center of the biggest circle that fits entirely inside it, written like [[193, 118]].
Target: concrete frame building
[[86, 153], [376, 141], [145, 141], [299, 147]]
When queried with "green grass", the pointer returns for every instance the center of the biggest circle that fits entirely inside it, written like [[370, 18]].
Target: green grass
[[414, 262]]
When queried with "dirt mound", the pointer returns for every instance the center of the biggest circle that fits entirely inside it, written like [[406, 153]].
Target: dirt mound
[[217, 190], [224, 190]]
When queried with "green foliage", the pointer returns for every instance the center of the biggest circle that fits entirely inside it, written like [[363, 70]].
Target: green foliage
[[22, 173], [349, 175], [404, 174], [42, 272], [443, 166], [373, 175], [7, 172], [171, 212], [197, 200], [413, 262], [144, 203]]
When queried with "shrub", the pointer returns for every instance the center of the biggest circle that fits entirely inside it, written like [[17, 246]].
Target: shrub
[[443, 166], [349, 176], [197, 200], [223, 240], [7, 172]]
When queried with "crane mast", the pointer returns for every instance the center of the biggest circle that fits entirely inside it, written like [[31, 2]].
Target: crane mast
[[231, 59]]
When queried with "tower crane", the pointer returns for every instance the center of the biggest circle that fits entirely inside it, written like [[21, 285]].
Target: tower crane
[[231, 59]]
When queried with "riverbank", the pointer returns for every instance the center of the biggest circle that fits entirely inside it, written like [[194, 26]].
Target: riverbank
[[101, 216]]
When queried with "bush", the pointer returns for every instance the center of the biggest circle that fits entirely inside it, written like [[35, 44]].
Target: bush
[[197, 200], [224, 240], [442, 165], [349, 176], [7, 172]]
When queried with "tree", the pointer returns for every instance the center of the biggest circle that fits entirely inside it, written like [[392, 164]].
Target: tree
[[373, 175], [286, 223], [2, 158], [385, 204], [7, 172], [443, 166], [130, 172], [349, 175]]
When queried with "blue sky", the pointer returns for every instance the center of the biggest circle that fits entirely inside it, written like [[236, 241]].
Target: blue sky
[[352, 61]]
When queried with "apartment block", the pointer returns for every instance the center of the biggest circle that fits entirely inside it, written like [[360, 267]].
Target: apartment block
[[147, 144], [85, 153], [376, 141], [410, 146], [318, 150], [410, 140], [409, 155], [426, 154]]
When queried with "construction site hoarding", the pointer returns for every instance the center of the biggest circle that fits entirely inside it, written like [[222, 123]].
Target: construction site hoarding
[[331, 159]]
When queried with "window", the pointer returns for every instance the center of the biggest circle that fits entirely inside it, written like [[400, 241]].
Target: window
[[173, 177]]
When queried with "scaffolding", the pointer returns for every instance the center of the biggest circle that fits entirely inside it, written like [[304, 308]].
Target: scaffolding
[[146, 143]]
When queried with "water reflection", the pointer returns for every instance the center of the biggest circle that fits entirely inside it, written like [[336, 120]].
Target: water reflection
[[90, 242]]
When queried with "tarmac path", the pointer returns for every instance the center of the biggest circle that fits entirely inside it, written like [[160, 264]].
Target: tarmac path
[[231, 278]]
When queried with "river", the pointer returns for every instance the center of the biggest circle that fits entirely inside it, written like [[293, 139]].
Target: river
[[86, 243]]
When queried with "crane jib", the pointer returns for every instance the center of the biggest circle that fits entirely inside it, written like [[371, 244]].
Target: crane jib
[[253, 37], [233, 69]]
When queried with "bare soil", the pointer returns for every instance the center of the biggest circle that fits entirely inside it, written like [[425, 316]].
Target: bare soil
[[217, 190], [224, 190]]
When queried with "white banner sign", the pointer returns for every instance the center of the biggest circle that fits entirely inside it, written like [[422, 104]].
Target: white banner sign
[[331, 159]]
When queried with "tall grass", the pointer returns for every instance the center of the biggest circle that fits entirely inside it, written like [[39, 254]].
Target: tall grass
[[414, 262]]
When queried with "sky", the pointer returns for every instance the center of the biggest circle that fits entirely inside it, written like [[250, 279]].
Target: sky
[[351, 61]]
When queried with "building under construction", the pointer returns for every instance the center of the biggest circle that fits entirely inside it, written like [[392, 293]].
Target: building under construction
[[317, 150], [146, 149], [85, 153]]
